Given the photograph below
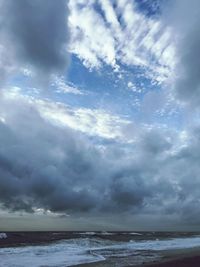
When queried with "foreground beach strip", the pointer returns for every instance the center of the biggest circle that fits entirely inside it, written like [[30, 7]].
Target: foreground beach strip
[[186, 262], [193, 261], [176, 258]]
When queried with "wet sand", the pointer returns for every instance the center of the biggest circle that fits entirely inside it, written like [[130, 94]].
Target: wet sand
[[185, 262], [178, 258]]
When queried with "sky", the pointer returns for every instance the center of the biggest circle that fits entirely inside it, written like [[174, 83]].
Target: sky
[[99, 115]]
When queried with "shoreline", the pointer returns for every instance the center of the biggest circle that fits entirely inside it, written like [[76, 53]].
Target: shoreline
[[180, 261], [173, 258], [169, 258], [177, 258]]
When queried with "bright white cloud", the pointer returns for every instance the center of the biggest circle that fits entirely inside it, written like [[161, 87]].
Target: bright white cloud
[[93, 122], [134, 39], [89, 28]]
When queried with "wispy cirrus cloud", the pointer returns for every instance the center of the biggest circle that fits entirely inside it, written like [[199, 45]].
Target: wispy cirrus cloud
[[61, 86], [115, 33], [92, 122]]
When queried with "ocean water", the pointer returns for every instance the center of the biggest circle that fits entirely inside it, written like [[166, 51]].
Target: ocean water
[[88, 247]]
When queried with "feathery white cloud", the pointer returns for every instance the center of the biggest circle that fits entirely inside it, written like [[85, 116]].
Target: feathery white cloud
[[120, 34]]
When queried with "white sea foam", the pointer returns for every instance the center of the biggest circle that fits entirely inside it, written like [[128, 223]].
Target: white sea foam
[[85, 250], [55, 255], [107, 233], [134, 233], [156, 245], [173, 243], [87, 233], [3, 235]]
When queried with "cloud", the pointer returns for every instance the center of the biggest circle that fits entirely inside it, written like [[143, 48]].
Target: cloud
[[45, 166], [184, 20], [33, 34], [62, 87], [128, 37], [70, 160], [93, 122], [50, 178]]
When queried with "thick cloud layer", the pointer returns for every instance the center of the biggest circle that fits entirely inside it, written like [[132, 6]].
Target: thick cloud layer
[[33, 34], [184, 19], [55, 168], [42, 165], [52, 167]]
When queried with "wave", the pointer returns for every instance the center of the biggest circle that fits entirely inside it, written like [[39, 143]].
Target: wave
[[86, 250]]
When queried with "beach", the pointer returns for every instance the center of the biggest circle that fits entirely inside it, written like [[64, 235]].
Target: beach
[[100, 249], [177, 258], [184, 262]]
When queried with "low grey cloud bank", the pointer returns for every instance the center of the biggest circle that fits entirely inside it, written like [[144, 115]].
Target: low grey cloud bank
[[33, 34], [58, 169]]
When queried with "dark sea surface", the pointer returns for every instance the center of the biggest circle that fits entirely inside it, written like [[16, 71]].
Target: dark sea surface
[[62, 249]]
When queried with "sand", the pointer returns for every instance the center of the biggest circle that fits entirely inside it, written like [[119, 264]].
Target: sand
[[178, 258]]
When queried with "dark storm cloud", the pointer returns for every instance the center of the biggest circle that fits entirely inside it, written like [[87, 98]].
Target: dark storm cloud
[[34, 34], [184, 19], [54, 168], [44, 166]]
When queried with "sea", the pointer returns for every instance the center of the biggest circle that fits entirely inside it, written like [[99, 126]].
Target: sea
[[109, 248]]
